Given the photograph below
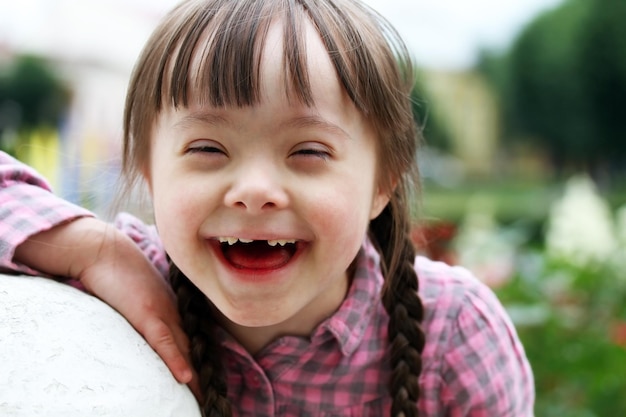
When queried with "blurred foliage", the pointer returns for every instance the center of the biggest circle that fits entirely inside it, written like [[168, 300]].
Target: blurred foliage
[[31, 96], [562, 85], [511, 199], [572, 322]]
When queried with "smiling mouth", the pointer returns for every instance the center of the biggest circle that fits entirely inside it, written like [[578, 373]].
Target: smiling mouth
[[257, 254]]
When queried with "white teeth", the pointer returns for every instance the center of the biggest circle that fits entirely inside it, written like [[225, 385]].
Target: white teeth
[[232, 240], [281, 242]]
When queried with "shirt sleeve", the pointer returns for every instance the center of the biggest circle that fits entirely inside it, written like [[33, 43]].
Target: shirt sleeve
[[27, 207], [485, 369]]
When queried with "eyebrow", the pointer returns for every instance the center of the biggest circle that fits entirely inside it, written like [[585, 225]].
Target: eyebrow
[[315, 122], [300, 122], [200, 117]]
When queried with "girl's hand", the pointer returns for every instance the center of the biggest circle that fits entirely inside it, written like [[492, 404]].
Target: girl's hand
[[111, 266]]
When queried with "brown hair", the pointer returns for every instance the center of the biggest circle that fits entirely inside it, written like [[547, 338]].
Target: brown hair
[[373, 67]]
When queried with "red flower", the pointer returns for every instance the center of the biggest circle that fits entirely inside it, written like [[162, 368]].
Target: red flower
[[434, 240], [618, 333]]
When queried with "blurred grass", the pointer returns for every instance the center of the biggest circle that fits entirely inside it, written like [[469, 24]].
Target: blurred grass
[[510, 200]]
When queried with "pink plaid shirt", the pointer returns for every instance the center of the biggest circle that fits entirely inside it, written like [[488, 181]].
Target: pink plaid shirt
[[473, 363]]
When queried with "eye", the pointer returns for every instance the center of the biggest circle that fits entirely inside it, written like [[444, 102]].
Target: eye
[[205, 146], [312, 150]]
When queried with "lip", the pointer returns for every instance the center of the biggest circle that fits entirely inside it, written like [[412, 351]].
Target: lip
[[257, 274]]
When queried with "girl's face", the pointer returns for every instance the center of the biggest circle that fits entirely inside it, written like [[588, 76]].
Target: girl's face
[[264, 208]]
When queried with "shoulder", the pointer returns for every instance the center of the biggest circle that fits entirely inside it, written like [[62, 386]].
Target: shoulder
[[439, 278], [458, 306], [472, 348], [453, 290]]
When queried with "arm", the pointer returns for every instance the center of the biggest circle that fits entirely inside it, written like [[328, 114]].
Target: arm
[[43, 234], [27, 207]]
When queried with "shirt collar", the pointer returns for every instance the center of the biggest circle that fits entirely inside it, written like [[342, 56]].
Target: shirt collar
[[349, 323]]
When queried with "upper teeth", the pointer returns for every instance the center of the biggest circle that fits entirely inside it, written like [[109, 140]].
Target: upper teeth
[[281, 242], [233, 240]]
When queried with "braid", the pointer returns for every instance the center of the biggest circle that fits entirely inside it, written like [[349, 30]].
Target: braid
[[205, 352], [390, 230]]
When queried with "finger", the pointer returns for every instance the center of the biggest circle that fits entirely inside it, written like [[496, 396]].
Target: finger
[[194, 386], [182, 341], [183, 345], [161, 338]]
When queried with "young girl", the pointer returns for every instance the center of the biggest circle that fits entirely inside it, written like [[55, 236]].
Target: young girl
[[278, 146]]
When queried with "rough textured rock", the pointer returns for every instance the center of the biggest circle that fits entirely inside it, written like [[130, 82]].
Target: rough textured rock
[[65, 353]]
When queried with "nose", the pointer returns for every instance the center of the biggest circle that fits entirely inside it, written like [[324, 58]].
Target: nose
[[256, 189]]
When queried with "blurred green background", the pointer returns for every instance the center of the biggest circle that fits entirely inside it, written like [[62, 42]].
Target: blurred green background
[[524, 181]]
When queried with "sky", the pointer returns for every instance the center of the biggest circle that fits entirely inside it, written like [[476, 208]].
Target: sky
[[445, 34], [450, 33]]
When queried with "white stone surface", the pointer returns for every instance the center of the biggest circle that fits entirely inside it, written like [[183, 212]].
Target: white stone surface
[[65, 353]]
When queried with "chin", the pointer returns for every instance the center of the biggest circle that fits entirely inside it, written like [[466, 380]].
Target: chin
[[258, 317]]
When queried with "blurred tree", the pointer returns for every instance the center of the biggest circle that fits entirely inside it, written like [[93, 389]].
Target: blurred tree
[[31, 96], [602, 64], [562, 82], [434, 131]]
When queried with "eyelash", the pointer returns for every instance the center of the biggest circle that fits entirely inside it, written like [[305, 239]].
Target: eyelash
[[204, 149], [305, 152], [313, 152]]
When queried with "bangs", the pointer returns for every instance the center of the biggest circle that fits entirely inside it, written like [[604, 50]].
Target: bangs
[[210, 52], [216, 58]]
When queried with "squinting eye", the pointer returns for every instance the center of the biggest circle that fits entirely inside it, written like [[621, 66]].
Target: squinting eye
[[205, 149], [313, 152], [319, 152], [205, 146]]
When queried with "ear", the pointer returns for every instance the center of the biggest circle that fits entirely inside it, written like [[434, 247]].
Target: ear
[[379, 202]]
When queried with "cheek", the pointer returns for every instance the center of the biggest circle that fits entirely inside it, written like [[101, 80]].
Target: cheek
[[175, 193], [341, 213], [176, 212]]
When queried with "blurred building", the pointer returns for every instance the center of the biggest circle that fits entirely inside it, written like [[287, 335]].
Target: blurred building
[[464, 103]]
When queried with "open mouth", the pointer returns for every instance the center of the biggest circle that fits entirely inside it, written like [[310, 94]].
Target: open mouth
[[257, 254]]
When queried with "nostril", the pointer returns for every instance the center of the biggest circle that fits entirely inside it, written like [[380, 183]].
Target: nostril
[[256, 196], [250, 205]]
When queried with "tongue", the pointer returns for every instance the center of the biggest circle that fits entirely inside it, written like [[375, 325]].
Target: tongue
[[257, 255]]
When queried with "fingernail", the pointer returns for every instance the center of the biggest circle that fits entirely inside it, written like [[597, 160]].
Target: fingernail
[[185, 376]]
